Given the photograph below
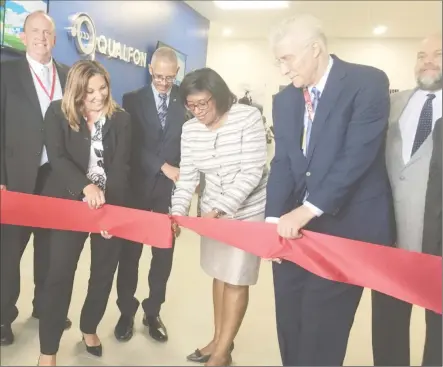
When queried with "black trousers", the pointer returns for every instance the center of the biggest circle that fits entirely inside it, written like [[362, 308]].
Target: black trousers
[[161, 263], [314, 316], [65, 250], [390, 333], [13, 243]]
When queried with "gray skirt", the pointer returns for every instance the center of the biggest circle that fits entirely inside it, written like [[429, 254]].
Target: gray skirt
[[229, 264]]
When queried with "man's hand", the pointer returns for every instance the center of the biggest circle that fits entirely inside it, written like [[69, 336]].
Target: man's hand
[[290, 224], [2, 187], [171, 172]]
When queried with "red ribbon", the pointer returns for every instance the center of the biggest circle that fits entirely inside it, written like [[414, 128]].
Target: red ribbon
[[410, 276]]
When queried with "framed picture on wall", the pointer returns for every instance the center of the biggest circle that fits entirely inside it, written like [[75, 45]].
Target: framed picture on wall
[[14, 13], [181, 62]]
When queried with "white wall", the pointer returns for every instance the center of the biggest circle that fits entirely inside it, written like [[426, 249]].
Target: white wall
[[250, 63]]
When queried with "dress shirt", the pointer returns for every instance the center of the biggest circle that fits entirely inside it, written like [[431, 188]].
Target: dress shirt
[[42, 97], [411, 115], [157, 98], [320, 86]]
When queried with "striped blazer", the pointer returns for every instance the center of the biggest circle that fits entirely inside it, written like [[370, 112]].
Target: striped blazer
[[233, 159]]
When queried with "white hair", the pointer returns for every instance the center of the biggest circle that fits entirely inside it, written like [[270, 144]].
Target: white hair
[[165, 54], [302, 28]]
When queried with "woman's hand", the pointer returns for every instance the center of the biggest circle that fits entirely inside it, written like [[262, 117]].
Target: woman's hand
[[212, 214], [106, 235], [94, 196], [176, 229]]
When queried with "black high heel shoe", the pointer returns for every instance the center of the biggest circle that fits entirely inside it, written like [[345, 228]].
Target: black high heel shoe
[[198, 357], [95, 351]]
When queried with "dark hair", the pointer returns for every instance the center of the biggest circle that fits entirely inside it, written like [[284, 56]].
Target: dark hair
[[208, 80], [244, 100]]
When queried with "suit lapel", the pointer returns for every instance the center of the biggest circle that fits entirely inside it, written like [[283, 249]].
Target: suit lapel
[[27, 82], [327, 102], [396, 112], [107, 126], [149, 109], [61, 75], [399, 107], [418, 154]]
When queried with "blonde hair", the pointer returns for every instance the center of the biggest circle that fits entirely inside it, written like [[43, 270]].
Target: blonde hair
[[76, 90]]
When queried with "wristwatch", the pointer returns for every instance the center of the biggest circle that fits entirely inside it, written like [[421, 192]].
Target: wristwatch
[[219, 213]]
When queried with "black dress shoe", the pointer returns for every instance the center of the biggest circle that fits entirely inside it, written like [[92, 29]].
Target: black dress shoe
[[68, 323], [157, 329], [198, 357], [124, 330], [95, 351], [7, 336]]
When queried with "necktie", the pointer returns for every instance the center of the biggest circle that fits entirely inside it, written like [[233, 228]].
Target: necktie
[[162, 109], [315, 97], [46, 78], [424, 127]]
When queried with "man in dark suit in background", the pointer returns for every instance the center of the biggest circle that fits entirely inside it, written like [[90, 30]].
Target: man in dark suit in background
[[329, 176], [28, 85], [157, 116], [432, 243]]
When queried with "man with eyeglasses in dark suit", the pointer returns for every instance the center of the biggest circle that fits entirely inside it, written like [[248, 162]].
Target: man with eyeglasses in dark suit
[[157, 117]]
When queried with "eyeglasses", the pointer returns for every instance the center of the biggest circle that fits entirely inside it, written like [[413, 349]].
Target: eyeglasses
[[201, 105], [292, 59], [162, 79]]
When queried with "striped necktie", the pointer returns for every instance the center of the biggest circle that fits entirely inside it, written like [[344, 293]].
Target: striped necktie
[[162, 109], [315, 97]]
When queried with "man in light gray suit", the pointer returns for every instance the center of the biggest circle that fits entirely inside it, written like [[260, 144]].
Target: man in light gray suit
[[408, 154]]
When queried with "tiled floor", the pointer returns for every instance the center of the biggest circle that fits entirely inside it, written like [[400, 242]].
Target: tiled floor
[[187, 314]]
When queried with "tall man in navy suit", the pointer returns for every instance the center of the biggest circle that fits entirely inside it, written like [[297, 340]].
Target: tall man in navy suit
[[329, 176], [157, 117]]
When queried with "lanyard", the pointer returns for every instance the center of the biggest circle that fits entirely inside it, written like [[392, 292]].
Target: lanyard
[[310, 110], [50, 96]]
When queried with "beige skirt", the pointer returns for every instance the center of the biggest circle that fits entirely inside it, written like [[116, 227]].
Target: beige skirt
[[229, 264]]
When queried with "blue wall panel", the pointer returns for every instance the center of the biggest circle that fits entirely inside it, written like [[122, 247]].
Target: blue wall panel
[[138, 24]]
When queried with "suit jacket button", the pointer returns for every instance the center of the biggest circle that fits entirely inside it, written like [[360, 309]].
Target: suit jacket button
[[308, 174], [402, 178]]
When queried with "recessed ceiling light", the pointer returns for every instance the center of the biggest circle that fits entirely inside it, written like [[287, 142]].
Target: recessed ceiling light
[[381, 29], [251, 5], [227, 31]]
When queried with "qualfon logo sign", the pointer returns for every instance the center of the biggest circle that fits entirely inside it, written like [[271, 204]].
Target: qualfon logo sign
[[87, 41]]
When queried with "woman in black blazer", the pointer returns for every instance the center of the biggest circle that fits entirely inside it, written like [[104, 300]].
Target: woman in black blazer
[[87, 137]]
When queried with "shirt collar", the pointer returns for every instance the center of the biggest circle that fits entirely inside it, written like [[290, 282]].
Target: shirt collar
[[36, 65], [320, 86], [157, 93], [424, 93]]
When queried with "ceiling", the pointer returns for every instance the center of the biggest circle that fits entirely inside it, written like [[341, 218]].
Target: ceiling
[[341, 19]]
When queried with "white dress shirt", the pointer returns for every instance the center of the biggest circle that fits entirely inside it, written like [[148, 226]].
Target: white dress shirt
[[43, 98], [158, 100], [411, 115]]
